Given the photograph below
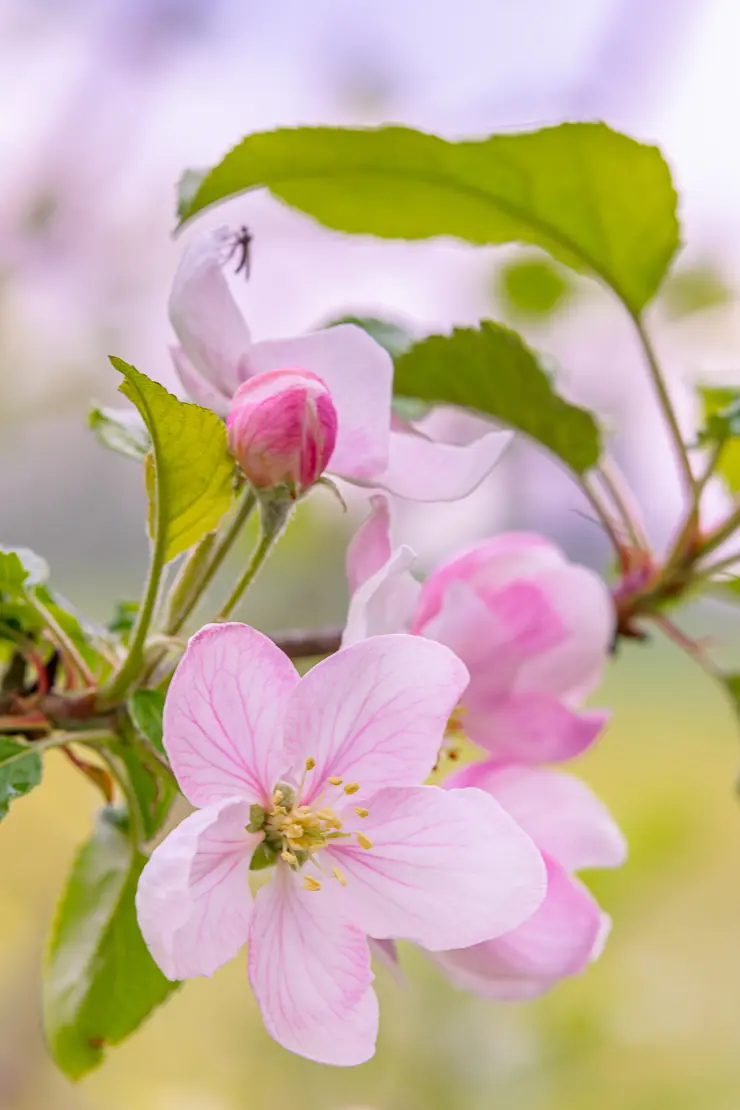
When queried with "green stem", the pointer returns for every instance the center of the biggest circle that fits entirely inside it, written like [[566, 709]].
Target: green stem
[[193, 590], [273, 516], [594, 500], [119, 684], [665, 402], [94, 739], [136, 827], [62, 639]]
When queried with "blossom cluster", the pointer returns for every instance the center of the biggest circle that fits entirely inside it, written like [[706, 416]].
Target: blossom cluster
[[317, 838]]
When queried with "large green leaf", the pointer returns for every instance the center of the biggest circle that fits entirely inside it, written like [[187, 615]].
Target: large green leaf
[[596, 200], [191, 482], [20, 770], [100, 982], [722, 427], [490, 369]]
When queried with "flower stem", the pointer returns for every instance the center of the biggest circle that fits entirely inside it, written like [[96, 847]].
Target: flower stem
[[274, 513], [664, 400], [195, 576]]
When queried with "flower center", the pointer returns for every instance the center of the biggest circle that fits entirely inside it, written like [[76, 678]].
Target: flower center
[[295, 832]]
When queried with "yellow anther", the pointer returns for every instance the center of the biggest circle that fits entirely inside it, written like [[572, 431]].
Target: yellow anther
[[289, 857], [329, 817], [278, 797], [364, 841], [335, 780], [310, 763], [311, 884], [338, 876], [361, 811], [294, 832], [351, 788]]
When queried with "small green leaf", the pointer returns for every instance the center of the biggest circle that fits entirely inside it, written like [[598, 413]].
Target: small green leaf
[[20, 771], [79, 631], [594, 199], [491, 370], [263, 856], [146, 708], [122, 431], [100, 981], [393, 337], [694, 289], [124, 618], [722, 426], [190, 480], [187, 187], [13, 574], [153, 785], [533, 287]]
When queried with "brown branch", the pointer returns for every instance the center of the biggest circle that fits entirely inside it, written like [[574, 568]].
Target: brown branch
[[303, 645]]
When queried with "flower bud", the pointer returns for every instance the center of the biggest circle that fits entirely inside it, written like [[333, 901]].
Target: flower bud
[[282, 429]]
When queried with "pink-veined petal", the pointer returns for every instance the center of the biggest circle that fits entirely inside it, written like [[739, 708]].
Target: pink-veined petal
[[193, 900], [374, 713], [488, 566], [559, 811], [223, 714], [556, 941], [359, 375], [572, 668], [310, 973], [534, 728], [198, 388], [385, 602], [204, 314], [370, 547], [447, 868], [421, 470]]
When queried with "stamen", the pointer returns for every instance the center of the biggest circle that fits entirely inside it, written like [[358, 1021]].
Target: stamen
[[364, 841], [288, 857], [335, 780], [351, 788], [311, 884], [338, 876], [310, 763], [361, 811]]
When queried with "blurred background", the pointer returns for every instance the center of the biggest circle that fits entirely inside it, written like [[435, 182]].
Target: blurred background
[[102, 104]]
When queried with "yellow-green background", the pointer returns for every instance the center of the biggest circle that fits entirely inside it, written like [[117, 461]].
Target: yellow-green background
[[655, 1025]]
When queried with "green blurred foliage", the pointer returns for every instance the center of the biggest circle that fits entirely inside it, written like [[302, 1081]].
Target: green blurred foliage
[[533, 288]]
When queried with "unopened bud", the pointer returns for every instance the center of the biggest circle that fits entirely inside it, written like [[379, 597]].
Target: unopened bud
[[282, 429]]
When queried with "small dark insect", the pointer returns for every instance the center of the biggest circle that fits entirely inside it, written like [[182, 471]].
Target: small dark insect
[[242, 242]]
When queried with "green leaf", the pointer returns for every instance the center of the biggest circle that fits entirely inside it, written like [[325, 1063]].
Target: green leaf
[[100, 981], [13, 574], [122, 431], [492, 371], [722, 426], [694, 289], [393, 337], [124, 618], [146, 708], [533, 287], [78, 630], [153, 785], [20, 771], [594, 199], [190, 481]]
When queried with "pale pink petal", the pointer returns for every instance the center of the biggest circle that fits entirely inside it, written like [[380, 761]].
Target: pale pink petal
[[223, 714], [375, 713], [198, 388], [488, 566], [387, 952], [534, 728], [193, 901], [559, 811], [359, 375], [310, 973], [370, 547], [574, 667], [204, 314], [385, 602], [556, 941], [447, 868], [422, 470]]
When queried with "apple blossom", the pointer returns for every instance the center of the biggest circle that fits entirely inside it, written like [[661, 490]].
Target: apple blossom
[[282, 429], [533, 629], [320, 777], [216, 356], [574, 831]]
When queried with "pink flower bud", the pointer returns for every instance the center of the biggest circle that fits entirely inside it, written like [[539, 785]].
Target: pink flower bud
[[282, 429]]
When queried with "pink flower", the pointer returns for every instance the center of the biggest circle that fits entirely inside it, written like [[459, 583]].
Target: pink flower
[[320, 776], [282, 429], [216, 356], [533, 630], [573, 830]]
